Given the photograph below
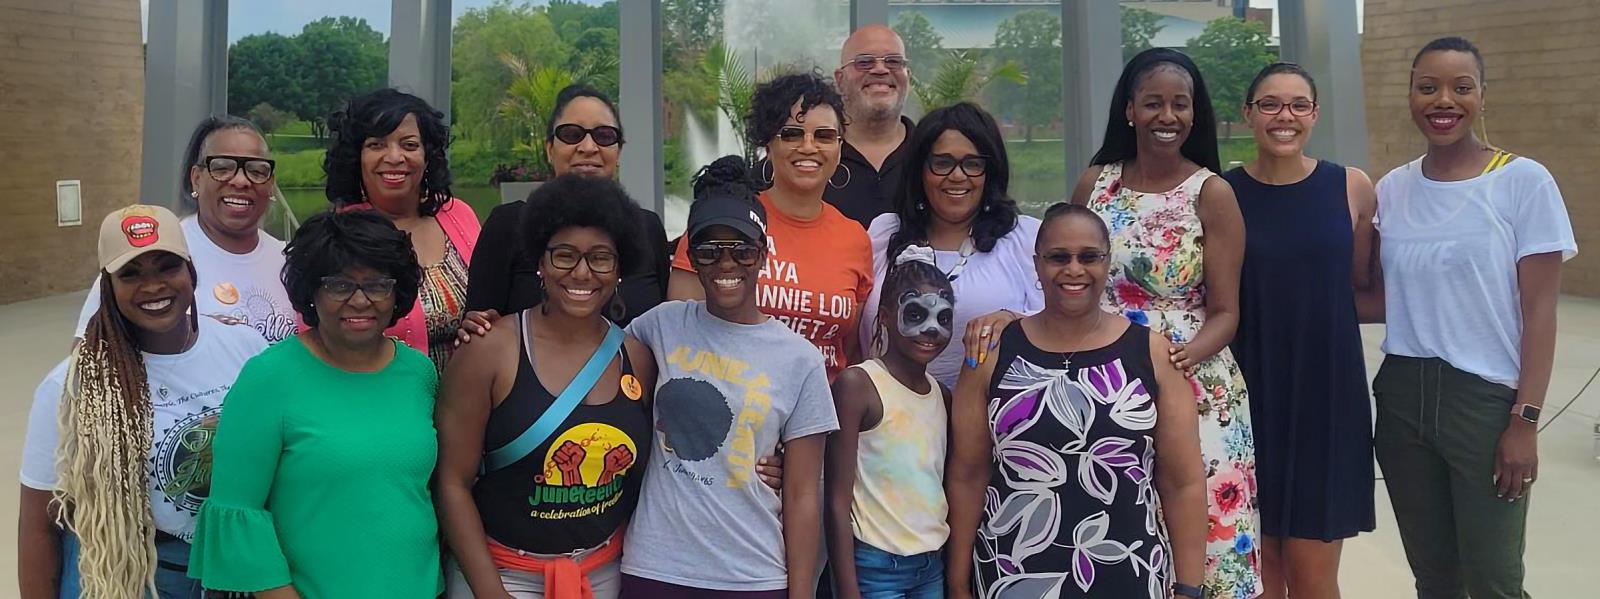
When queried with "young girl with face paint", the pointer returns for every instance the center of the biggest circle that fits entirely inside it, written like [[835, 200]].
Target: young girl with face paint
[[884, 474]]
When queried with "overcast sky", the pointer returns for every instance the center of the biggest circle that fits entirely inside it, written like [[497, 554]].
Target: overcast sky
[[288, 16]]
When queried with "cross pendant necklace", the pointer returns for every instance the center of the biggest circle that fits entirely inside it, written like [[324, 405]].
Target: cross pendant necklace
[[1066, 363]]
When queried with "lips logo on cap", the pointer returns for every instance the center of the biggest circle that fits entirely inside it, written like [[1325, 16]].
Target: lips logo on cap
[[141, 231]]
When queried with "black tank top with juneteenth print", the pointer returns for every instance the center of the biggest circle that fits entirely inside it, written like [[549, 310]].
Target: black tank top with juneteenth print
[[577, 488]]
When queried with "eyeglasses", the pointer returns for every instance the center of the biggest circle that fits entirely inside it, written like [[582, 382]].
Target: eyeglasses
[[223, 168], [973, 165], [604, 136], [711, 252], [566, 257], [1064, 258], [866, 62], [342, 289], [1272, 106], [825, 136]]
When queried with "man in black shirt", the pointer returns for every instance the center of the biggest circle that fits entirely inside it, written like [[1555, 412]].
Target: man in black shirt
[[875, 78]]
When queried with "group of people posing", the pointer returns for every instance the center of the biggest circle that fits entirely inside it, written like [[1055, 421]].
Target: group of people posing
[[861, 372]]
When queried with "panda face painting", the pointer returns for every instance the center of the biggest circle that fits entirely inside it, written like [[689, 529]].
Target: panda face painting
[[925, 316]]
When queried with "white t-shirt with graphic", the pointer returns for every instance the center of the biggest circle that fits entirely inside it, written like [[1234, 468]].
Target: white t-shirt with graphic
[[186, 392], [1450, 252], [726, 395], [233, 288]]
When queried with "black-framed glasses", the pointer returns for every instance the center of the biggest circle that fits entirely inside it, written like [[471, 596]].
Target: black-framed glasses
[[822, 136], [1064, 258], [866, 62], [566, 257], [1272, 106], [604, 136], [974, 165], [342, 288], [711, 252], [222, 168]]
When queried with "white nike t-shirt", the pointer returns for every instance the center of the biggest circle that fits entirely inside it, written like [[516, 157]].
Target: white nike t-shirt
[[186, 392], [234, 288], [1450, 252]]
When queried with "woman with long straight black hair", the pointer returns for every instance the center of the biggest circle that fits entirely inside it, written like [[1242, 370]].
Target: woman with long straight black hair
[[1177, 241]]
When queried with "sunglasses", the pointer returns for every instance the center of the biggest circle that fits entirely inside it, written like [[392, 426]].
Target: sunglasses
[[223, 168], [825, 136], [866, 62], [712, 252], [604, 136], [974, 165], [566, 257], [342, 289], [1064, 258], [1271, 106]]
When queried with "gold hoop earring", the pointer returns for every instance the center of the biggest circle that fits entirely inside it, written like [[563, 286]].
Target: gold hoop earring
[[847, 173]]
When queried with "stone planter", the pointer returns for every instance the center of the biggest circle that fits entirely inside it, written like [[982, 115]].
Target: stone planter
[[511, 191]]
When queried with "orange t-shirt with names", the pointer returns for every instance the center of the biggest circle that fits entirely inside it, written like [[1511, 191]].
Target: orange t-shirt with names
[[816, 280]]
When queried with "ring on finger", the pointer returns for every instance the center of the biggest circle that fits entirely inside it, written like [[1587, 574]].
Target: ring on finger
[[985, 330]]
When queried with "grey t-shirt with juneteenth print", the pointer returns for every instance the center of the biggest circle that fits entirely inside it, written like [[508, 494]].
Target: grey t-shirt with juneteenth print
[[726, 394]]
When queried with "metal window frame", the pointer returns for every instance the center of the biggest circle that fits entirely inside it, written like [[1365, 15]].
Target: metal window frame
[[187, 78]]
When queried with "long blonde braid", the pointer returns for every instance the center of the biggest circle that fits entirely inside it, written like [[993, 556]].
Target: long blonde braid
[[106, 429]]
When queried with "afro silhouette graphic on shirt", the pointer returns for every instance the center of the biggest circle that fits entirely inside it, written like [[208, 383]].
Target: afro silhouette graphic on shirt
[[693, 418]]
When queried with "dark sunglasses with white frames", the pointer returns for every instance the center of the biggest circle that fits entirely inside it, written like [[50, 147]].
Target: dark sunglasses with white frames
[[1274, 106], [222, 168], [1064, 258]]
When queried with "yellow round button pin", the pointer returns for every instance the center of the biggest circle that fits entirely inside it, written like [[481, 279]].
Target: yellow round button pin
[[225, 293], [631, 387]]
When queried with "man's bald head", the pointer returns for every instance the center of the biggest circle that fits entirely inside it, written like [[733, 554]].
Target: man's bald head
[[879, 93], [876, 40]]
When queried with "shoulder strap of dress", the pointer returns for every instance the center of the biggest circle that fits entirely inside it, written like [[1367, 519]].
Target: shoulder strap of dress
[[1197, 181]]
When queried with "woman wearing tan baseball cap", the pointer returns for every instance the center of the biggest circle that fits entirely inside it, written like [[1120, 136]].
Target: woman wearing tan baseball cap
[[118, 447]]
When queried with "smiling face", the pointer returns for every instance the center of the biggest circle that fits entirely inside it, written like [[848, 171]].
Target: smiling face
[[729, 286], [234, 207], [804, 165], [572, 286], [1070, 285], [1446, 96], [880, 93], [922, 323], [1284, 134], [356, 321], [392, 168], [154, 291], [585, 157], [1161, 108], [955, 197]]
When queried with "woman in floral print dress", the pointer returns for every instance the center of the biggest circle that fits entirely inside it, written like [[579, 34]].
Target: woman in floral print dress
[[1177, 243]]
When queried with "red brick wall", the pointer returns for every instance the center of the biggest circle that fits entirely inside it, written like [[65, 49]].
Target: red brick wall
[[71, 107], [1543, 77]]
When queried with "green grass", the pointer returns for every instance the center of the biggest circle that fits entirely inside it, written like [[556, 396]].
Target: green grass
[[289, 144]]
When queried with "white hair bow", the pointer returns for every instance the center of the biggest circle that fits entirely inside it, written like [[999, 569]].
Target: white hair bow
[[916, 253]]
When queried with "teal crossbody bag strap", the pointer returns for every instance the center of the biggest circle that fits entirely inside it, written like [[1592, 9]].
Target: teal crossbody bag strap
[[546, 424]]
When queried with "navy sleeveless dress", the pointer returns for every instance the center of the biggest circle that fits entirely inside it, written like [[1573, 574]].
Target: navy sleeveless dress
[[1299, 347]]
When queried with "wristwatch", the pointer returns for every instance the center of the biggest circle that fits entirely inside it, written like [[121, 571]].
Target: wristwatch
[[1187, 590], [1526, 411]]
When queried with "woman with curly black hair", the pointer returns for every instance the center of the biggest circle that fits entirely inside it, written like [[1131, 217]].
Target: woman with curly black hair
[[388, 154], [1177, 245], [590, 434], [955, 202], [819, 266], [323, 455]]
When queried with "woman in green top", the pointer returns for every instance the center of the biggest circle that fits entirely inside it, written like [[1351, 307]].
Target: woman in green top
[[323, 454]]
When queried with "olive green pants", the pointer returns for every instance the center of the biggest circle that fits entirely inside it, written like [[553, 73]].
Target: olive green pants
[[1437, 434]]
